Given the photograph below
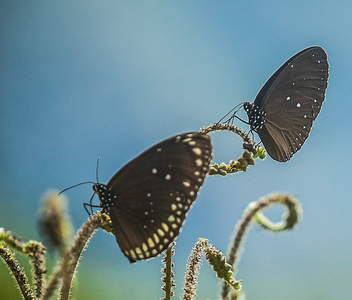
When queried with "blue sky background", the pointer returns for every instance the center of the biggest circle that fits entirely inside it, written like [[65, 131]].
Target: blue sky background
[[82, 79]]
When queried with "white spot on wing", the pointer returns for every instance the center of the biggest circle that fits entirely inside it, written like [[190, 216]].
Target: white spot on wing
[[151, 243], [144, 247], [133, 254], [165, 227], [197, 151], [186, 183], [192, 143], [199, 162], [156, 237]]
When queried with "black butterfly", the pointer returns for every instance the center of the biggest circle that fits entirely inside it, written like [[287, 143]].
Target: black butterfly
[[287, 105], [148, 199]]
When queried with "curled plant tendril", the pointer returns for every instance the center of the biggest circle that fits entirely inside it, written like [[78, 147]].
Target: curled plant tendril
[[247, 159], [231, 128], [254, 213], [289, 219]]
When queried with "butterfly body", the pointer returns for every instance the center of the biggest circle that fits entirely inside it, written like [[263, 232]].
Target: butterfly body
[[148, 199], [256, 116], [105, 195], [287, 105]]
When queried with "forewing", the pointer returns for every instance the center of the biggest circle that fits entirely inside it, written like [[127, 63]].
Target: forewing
[[155, 191], [292, 99], [303, 78]]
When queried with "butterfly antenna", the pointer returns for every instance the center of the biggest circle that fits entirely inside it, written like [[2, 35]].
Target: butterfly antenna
[[64, 190], [234, 111], [96, 170]]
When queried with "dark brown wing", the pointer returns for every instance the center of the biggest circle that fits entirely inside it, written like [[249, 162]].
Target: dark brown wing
[[292, 99], [155, 191]]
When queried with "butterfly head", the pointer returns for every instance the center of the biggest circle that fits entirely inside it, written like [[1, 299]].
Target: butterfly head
[[256, 115]]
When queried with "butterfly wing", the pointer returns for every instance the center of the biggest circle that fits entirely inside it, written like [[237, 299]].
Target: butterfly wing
[[155, 191], [292, 99]]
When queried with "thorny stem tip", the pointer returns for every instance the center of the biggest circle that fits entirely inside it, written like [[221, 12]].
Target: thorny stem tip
[[192, 269], [168, 278], [35, 251], [68, 267], [17, 272]]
